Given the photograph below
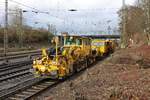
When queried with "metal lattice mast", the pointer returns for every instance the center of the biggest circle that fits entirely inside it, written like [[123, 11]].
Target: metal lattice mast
[[21, 30], [6, 28]]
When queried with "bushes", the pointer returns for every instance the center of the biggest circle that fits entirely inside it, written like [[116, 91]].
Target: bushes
[[29, 35], [34, 36], [1, 35]]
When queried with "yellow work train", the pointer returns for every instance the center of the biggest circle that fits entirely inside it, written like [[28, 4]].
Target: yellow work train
[[74, 55], [102, 47]]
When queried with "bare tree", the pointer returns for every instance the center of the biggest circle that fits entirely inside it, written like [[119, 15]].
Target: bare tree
[[135, 26], [145, 5]]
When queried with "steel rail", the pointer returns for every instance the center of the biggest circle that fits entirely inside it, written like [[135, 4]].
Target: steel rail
[[29, 91], [14, 75], [15, 65]]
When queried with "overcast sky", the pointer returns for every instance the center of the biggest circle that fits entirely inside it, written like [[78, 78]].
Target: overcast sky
[[91, 15]]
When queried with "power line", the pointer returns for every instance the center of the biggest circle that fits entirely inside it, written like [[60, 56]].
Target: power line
[[84, 9], [23, 5], [37, 10]]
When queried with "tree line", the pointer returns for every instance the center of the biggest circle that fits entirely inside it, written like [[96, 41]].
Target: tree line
[[137, 23], [19, 31]]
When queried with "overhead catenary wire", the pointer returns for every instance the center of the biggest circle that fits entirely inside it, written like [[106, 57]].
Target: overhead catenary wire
[[37, 11], [34, 10], [29, 7], [48, 13]]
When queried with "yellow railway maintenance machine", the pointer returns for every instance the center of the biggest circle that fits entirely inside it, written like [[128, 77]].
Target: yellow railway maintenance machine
[[100, 47], [74, 55]]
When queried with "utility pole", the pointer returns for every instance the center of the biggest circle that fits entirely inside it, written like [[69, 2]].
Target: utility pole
[[123, 24], [109, 30], [148, 11], [21, 30], [6, 29], [49, 31], [19, 20], [138, 2]]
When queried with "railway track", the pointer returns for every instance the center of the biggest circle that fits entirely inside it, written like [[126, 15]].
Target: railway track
[[11, 72], [33, 90], [17, 74], [11, 82], [32, 87], [18, 56], [6, 67], [20, 86], [14, 70], [14, 75], [9, 54]]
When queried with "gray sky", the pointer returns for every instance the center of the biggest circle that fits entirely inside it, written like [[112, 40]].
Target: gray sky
[[92, 15]]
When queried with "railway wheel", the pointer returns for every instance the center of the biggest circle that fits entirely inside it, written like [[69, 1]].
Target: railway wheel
[[87, 62], [71, 69]]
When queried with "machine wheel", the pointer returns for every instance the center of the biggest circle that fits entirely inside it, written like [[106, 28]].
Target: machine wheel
[[87, 62], [75, 68], [71, 69]]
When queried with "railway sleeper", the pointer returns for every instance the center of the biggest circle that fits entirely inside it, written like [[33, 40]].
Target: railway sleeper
[[31, 90], [13, 76], [42, 86], [21, 95], [37, 88], [14, 98], [26, 92]]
